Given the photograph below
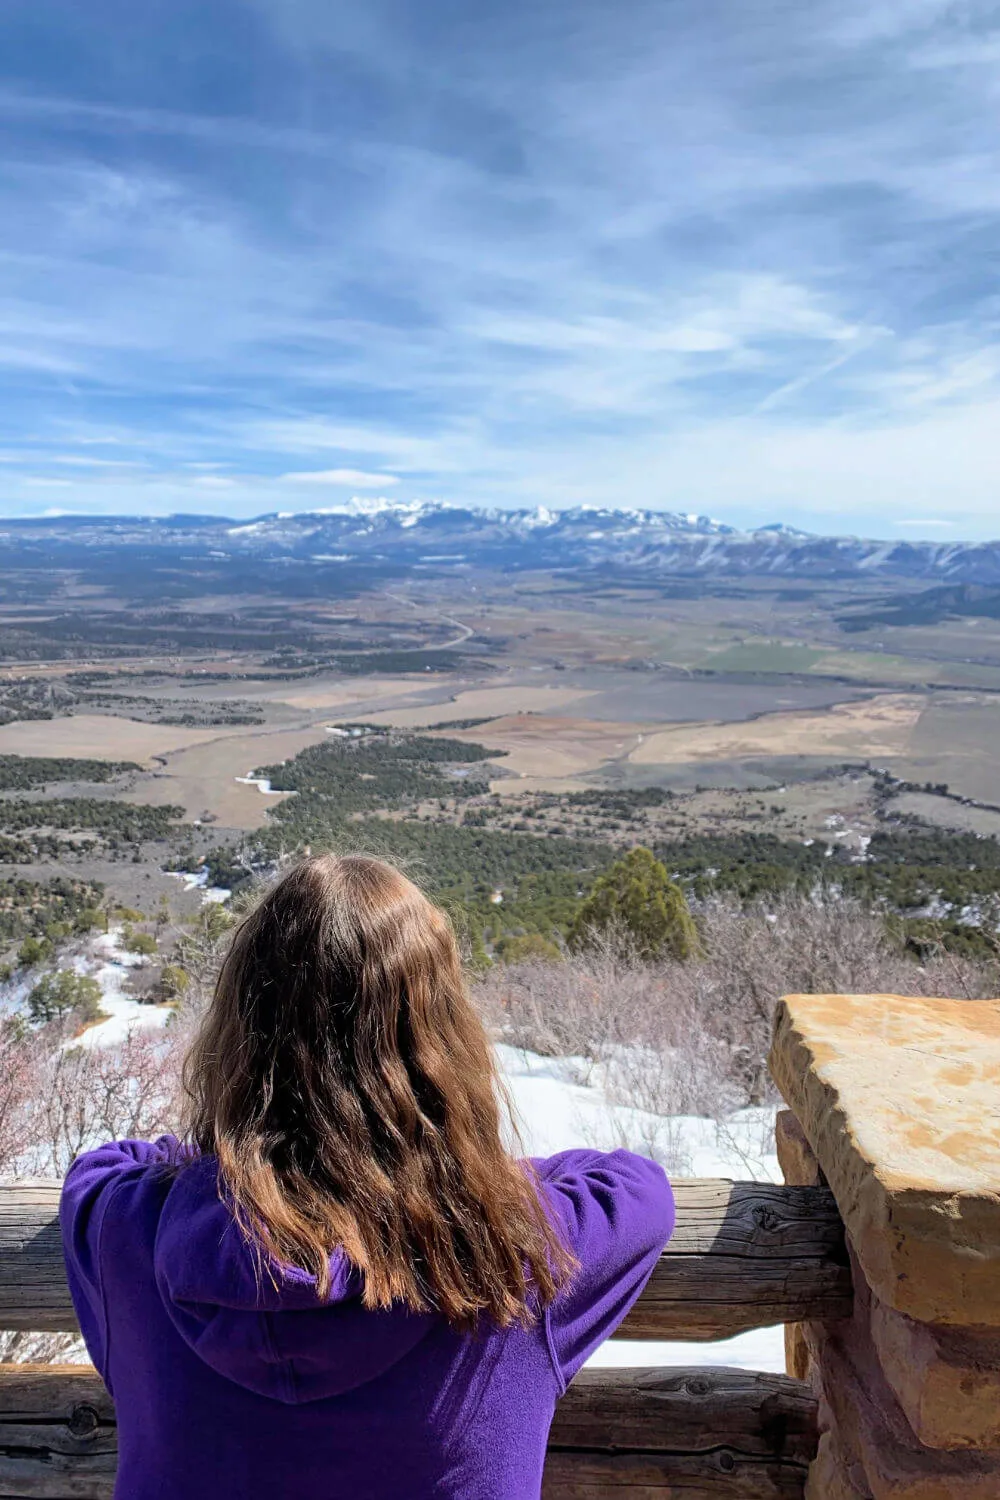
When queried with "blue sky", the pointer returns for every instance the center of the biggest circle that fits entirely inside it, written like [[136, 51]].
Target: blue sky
[[740, 257]]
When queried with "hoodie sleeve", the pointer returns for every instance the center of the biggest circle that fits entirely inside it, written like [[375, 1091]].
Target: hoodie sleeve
[[617, 1213], [88, 1189]]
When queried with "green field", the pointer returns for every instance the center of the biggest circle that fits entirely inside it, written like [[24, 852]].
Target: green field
[[762, 656], [885, 667]]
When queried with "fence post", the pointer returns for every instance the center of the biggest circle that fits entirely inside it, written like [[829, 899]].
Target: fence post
[[895, 1105]]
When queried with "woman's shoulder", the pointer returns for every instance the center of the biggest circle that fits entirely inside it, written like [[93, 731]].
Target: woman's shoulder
[[614, 1171], [112, 1158], [600, 1194], [95, 1176]]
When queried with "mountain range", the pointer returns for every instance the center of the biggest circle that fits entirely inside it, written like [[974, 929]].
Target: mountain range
[[429, 536]]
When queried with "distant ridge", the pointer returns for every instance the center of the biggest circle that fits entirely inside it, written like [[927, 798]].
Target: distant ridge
[[431, 536]]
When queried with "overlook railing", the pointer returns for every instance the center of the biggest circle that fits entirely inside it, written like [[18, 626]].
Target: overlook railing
[[882, 1255], [743, 1256]]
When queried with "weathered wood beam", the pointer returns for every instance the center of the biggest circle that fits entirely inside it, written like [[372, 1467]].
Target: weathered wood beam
[[667, 1476], [693, 1434], [34, 1296], [757, 1414], [637, 1434], [744, 1255], [58, 1439]]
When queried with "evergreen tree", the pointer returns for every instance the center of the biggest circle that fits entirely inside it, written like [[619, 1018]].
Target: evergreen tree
[[524, 946], [56, 994], [636, 898]]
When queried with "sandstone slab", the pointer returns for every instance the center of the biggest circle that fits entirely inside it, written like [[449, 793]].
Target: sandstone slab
[[795, 1155], [832, 1476], [947, 1380], [899, 1100], [875, 1437], [798, 1360]]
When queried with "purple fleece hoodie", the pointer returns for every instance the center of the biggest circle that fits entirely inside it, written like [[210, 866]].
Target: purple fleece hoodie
[[227, 1388]]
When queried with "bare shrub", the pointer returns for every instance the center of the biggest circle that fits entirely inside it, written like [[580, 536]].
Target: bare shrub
[[562, 1009], [84, 1095], [60, 1096], [794, 945], [661, 1138], [675, 1037], [686, 1074], [627, 1022], [21, 1058]]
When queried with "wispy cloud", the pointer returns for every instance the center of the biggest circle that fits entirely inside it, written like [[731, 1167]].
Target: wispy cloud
[[740, 260], [921, 523], [76, 115], [357, 479]]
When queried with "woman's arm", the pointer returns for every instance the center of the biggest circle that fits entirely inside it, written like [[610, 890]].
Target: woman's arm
[[617, 1213], [89, 1188]]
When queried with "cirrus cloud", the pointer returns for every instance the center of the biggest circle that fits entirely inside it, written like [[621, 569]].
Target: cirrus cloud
[[737, 258], [358, 479]]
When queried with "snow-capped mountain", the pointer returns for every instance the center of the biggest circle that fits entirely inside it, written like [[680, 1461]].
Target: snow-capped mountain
[[434, 537]]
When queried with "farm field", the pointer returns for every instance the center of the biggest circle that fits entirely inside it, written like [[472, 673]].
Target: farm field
[[877, 728], [597, 711], [957, 739], [493, 702], [941, 814], [105, 737], [209, 779]]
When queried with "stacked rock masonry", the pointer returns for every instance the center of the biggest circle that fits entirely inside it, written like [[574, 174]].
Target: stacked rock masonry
[[895, 1104]]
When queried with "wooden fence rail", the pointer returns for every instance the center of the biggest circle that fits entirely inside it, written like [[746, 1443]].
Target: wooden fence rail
[[743, 1256], [624, 1433]]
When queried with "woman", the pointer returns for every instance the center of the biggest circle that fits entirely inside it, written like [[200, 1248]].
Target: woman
[[341, 1284]]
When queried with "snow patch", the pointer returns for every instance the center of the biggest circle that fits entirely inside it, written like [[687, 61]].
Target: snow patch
[[554, 1111], [263, 785], [199, 882]]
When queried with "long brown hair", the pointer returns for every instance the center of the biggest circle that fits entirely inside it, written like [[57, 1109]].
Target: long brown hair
[[347, 1087]]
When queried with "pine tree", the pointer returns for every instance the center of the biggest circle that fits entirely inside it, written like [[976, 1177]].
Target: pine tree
[[56, 994], [636, 898]]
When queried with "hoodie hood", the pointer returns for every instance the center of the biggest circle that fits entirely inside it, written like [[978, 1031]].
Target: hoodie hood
[[260, 1324]]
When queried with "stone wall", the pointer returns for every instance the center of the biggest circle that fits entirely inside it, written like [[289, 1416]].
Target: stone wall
[[895, 1104]]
